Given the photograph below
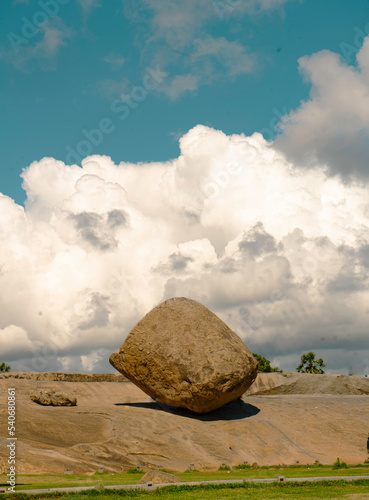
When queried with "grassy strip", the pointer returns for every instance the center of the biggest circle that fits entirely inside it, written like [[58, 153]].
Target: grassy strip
[[64, 481], [318, 489]]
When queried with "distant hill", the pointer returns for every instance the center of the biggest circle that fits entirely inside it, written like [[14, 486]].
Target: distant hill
[[306, 383]]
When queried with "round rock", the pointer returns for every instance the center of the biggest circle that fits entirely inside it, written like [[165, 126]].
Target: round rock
[[182, 354]]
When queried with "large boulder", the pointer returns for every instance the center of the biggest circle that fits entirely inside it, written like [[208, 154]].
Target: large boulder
[[183, 355], [158, 477], [52, 398]]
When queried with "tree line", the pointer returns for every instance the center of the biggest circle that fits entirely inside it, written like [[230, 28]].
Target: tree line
[[308, 364]]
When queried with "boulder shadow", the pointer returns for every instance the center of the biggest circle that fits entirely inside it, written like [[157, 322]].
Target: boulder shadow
[[236, 410]]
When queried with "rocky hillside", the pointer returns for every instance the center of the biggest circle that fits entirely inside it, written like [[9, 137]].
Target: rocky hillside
[[65, 377], [288, 418], [304, 383]]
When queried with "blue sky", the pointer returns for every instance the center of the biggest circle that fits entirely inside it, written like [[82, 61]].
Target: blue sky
[[102, 49], [216, 150]]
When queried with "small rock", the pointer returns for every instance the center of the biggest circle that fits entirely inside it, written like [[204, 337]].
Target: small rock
[[182, 354], [52, 398], [158, 477]]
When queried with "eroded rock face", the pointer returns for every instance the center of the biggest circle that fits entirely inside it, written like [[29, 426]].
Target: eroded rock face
[[182, 354], [52, 398]]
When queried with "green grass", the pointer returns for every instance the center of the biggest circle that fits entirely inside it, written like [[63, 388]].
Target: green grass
[[273, 472], [308, 491], [62, 481]]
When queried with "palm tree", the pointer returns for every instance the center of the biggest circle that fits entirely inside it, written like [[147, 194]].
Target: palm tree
[[310, 365], [4, 368]]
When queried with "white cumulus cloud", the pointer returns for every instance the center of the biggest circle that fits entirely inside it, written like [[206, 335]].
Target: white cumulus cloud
[[14, 340], [332, 127], [281, 254]]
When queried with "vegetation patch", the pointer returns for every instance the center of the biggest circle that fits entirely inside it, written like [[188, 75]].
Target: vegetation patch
[[305, 489]]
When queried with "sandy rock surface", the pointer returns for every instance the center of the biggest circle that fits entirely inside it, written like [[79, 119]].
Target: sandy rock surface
[[158, 477], [65, 377], [117, 426], [183, 355]]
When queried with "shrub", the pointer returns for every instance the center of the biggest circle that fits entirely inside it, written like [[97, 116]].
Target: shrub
[[340, 465], [4, 368]]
